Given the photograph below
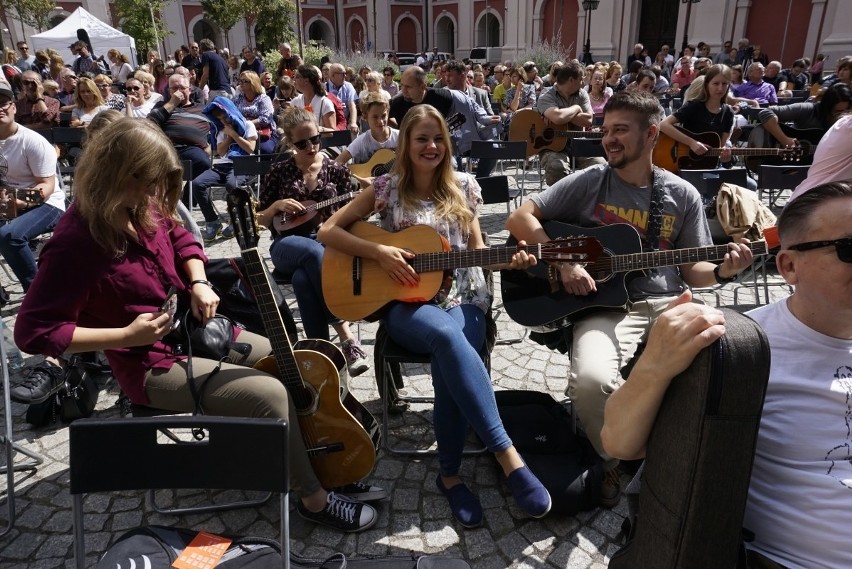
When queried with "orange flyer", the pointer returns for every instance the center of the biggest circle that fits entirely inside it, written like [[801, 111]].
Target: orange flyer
[[203, 552]]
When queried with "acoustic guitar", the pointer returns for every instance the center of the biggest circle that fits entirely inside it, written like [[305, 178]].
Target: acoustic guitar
[[675, 156], [355, 288], [305, 222], [9, 203], [537, 299], [808, 139], [379, 163], [528, 125], [340, 449]]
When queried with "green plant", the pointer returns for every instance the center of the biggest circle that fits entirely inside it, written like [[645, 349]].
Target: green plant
[[544, 53], [356, 60]]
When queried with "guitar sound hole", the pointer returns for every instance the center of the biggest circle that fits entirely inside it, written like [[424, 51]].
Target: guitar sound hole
[[305, 399]]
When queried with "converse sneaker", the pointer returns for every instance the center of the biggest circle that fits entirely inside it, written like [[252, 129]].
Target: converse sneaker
[[341, 513], [40, 382], [362, 492], [356, 357]]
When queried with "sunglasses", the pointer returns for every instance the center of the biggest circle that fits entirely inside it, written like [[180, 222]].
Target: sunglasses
[[245, 81], [842, 246], [133, 88], [302, 144], [74, 77], [5, 106], [26, 83]]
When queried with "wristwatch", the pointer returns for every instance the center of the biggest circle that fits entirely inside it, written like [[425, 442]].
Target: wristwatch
[[720, 279]]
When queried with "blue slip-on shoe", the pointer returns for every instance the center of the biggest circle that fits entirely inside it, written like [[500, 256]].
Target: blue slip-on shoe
[[464, 505], [530, 494]]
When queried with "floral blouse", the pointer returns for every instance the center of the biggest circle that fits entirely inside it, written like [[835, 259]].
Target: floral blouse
[[469, 285], [259, 108], [285, 180], [527, 97]]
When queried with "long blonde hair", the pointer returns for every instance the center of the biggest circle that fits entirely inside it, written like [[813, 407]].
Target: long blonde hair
[[448, 195], [138, 150]]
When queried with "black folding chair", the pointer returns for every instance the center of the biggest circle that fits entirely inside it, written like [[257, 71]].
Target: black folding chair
[[254, 165], [332, 141], [501, 150], [586, 148], [108, 455]]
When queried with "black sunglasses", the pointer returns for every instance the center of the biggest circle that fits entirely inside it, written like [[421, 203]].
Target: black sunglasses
[[842, 246], [302, 144], [133, 88]]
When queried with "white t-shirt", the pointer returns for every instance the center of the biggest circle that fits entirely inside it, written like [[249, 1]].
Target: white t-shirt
[[800, 497], [142, 110], [29, 156], [319, 105], [832, 159], [85, 117], [364, 146]]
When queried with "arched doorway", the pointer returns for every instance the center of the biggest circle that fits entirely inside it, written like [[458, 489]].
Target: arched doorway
[[357, 37], [407, 36], [488, 31], [445, 35], [657, 26], [205, 30], [320, 32]]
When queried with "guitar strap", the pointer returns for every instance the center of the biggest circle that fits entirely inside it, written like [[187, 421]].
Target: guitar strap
[[651, 241]]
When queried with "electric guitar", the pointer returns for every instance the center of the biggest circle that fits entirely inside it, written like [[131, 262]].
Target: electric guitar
[[355, 288], [537, 299], [9, 200], [305, 222], [675, 156], [528, 125], [340, 449], [379, 163]]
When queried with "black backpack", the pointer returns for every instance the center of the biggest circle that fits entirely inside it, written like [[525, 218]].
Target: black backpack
[[543, 432]]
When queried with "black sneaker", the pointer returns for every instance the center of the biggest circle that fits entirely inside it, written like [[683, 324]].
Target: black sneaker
[[341, 513], [362, 492], [40, 382], [610, 488]]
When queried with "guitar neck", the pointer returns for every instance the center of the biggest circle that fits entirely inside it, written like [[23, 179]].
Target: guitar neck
[[746, 151], [332, 201], [653, 259], [276, 332], [446, 260]]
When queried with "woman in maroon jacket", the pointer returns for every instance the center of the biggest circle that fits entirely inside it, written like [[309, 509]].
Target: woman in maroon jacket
[[101, 283]]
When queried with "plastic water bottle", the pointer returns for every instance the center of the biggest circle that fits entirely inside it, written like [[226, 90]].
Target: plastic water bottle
[[13, 355]]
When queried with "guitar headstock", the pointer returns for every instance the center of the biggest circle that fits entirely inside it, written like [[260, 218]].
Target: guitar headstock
[[30, 195], [570, 250], [241, 212]]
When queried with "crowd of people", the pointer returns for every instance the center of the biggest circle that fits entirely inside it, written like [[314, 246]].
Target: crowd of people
[[201, 103]]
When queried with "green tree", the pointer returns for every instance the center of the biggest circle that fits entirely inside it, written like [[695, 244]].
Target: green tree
[[136, 18], [35, 13], [275, 21], [225, 13]]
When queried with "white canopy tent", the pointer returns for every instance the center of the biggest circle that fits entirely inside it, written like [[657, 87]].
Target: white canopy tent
[[102, 36]]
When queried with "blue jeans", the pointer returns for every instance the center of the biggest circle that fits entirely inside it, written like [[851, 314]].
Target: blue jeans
[[15, 240], [454, 339], [300, 258]]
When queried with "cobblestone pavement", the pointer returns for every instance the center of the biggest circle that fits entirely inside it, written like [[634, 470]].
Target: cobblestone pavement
[[414, 519]]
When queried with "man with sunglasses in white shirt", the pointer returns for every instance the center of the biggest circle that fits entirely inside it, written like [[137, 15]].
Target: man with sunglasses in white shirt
[[800, 497]]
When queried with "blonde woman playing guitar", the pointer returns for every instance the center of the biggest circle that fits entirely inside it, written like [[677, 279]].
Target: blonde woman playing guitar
[[424, 189]]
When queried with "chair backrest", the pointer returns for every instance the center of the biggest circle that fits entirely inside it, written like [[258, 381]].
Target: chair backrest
[[708, 182], [68, 135], [790, 100], [335, 138], [253, 164], [108, 455], [750, 114], [65, 118], [187, 170], [495, 189], [781, 177], [805, 93], [498, 149], [587, 147]]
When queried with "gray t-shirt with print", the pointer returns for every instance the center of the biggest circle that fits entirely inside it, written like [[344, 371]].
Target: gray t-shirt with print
[[597, 196]]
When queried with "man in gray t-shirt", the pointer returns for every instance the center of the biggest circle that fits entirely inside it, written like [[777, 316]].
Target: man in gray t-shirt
[[567, 107], [620, 192]]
